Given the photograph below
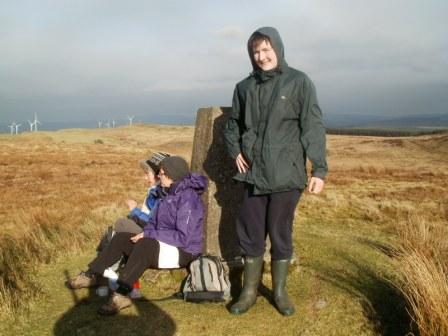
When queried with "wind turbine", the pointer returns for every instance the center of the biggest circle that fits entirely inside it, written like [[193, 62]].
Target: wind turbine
[[31, 125], [113, 123], [130, 118], [17, 128], [36, 122], [100, 123], [11, 127]]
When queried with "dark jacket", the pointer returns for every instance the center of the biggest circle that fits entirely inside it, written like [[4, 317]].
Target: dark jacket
[[178, 217], [276, 123]]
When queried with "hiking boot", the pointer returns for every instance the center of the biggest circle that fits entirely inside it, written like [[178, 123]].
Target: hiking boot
[[82, 280], [116, 303], [252, 276], [279, 271]]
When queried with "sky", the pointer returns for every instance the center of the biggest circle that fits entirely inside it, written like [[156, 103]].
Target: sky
[[90, 60]]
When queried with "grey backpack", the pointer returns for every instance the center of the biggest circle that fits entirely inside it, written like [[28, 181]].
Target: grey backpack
[[207, 280]]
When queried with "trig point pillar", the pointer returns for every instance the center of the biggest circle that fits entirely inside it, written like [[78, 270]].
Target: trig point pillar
[[223, 197]]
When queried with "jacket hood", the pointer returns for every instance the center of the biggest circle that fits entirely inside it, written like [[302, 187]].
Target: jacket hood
[[276, 43], [194, 181]]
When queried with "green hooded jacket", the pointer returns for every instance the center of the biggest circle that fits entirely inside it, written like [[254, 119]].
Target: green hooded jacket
[[276, 123]]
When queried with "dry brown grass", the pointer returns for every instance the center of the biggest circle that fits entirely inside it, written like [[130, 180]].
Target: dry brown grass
[[425, 287], [61, 189], [423, 262], [402, 184]]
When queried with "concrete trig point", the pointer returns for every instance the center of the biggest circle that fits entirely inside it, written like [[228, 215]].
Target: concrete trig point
[[223, 197]]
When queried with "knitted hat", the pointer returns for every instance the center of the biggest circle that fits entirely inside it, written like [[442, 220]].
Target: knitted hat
[[175, 167], [153, 163]]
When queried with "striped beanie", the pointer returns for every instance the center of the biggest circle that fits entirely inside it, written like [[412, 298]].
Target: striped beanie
[[153, 163]]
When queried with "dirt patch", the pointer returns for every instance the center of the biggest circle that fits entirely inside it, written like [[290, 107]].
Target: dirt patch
[[394, 142]]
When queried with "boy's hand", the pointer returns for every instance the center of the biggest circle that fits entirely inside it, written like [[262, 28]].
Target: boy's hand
[[316, 185], [131, 204], [137, 237], [241, 163]]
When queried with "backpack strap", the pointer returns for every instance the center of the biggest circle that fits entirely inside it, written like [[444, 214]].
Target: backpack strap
[[201, 269]]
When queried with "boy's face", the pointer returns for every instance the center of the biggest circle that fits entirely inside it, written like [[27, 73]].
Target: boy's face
[[264, 55], [150, 178]]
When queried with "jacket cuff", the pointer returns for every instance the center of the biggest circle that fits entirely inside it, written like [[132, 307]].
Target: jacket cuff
[[234, 152], [320, 173]]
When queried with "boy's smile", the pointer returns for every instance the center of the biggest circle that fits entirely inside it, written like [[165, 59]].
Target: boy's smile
[[265, 56]]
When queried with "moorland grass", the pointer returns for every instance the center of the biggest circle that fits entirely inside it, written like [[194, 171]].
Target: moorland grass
[[423, 261], [339, 287], [61, 190], [372, 258]]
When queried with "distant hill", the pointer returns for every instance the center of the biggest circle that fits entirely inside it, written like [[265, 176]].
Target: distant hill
[[427, 121], [153, 119], [359, 121], [420, 121]]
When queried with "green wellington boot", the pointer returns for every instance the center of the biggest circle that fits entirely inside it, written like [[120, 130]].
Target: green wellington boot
[[252, 276], [279, 271]]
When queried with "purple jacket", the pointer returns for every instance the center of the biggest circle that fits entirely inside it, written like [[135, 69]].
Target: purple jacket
[[179, 216]]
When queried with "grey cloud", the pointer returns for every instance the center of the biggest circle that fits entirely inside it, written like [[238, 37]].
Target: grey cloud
[[230, 32], [66, 58]]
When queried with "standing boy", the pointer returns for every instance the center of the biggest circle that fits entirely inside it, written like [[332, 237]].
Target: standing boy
[[274, 126]]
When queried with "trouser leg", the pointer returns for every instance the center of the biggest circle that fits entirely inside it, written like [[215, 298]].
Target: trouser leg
[[279, 221], [145, 254], [251, 230], [121, 244], [127, 225], [251, 223]]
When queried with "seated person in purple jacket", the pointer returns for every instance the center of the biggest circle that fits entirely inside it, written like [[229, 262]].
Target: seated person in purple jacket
[[172, 238], [137, 217]]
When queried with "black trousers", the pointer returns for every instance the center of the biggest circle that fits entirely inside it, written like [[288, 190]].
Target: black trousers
[[262, 215], [141, 255]]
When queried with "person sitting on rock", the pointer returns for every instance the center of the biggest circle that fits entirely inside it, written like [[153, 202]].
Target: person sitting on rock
[[137, 217], [172, 238]]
